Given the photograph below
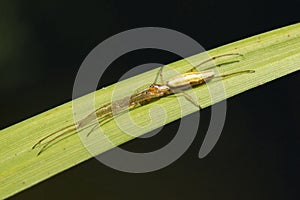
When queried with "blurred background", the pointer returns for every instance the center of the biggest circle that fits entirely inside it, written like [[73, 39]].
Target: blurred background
[[43, 43]]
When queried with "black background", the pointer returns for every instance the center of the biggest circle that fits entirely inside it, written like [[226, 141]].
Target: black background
[[43, 43]]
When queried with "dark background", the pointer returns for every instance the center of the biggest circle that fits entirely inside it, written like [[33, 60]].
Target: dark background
[[43, 43]]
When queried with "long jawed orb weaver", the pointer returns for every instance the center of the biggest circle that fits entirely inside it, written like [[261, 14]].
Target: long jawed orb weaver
[[175, 84]]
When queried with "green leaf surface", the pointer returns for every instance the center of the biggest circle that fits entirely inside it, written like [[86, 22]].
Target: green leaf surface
[[272, 55]]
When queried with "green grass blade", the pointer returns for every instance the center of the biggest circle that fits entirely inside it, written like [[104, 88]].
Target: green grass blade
[[272, 55]]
